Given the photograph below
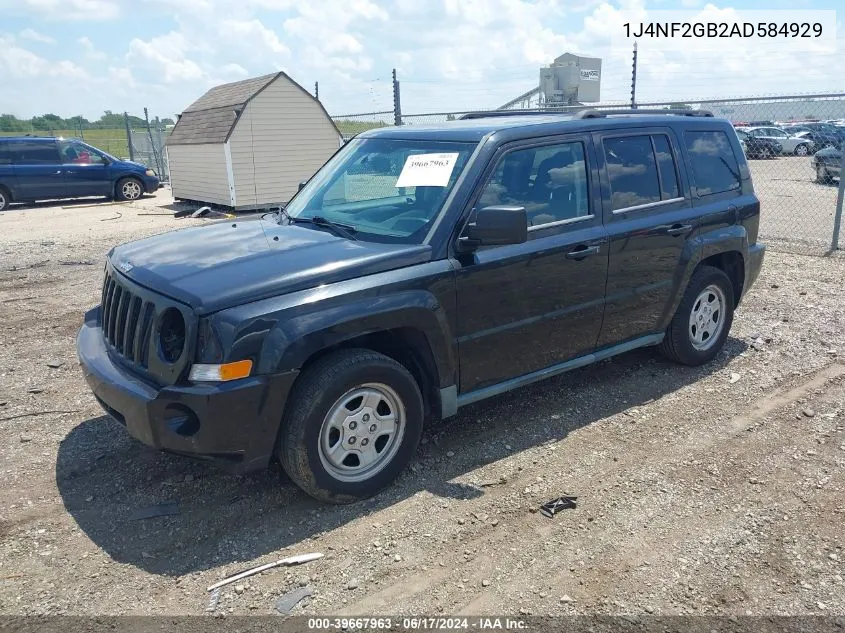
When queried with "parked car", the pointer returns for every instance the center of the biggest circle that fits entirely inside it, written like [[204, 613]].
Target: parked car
[[468, 259], [820, 134], [794, 145], [33, 168], [827, 163], [759, 147]]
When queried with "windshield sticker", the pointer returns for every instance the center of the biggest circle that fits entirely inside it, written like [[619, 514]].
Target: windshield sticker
[[427, 170]]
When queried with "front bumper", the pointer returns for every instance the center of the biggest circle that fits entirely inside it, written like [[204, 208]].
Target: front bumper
[[152, 184], [235, 423]]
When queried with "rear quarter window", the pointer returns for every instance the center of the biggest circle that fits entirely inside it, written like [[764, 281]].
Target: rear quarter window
[[714, 166]]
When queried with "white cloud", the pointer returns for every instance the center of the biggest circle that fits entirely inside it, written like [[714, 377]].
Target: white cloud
[[35, 36], [17, 62], [165, 56], [252, 33], [66, 9], [234, 70]]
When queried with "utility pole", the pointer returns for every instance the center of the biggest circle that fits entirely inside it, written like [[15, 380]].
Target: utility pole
[[397, 106], [317, 90], [634, 79]]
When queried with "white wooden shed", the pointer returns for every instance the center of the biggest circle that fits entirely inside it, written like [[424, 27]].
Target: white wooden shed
[[249, 144]]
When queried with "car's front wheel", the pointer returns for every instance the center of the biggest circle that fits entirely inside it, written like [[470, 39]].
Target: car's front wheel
[[352, 425], [5, 199], [701, 324], [802, 150], [129, 189], [822, 175]]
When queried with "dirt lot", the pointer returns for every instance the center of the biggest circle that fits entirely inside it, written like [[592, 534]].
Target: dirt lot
[[717, 490]]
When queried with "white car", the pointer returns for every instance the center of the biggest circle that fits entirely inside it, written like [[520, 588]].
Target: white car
[[791, 144]]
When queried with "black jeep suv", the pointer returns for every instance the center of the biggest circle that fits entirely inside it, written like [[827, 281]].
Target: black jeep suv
[[421, 269]]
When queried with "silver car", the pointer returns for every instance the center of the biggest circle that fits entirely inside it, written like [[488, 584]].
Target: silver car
[[791, 144]]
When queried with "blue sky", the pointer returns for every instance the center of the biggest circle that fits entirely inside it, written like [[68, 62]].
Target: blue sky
[[85, 56]]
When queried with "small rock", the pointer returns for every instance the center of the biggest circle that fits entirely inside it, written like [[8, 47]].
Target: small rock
[[54, 364], [353, 584], [25, 437], [735, 377], [35, 390], [89, 498], [809, 413], [821, 605], [812, 453], [485, 583], [833, 557], [397, 558], [494, 522], [461, 521], [649, 609], [450, 453], [239, 589], [566, 598]]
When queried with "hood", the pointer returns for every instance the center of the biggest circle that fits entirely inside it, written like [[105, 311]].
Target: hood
[[230, 263], [132, 163]]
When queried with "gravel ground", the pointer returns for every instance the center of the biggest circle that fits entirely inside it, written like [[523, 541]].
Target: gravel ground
[[715, 490]]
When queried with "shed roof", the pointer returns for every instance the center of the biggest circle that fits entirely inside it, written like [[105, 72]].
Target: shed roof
[[213, 116]]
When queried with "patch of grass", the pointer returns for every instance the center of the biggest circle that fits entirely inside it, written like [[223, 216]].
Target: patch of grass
[[351, 127]]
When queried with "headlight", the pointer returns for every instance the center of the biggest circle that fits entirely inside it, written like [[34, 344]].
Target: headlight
[[220, 373], [150, 172], [172, 335]]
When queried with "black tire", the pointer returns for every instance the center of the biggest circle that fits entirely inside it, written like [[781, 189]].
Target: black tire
[[822, 175], [677, 345], [129, 189], [802, 150], [765, 153], [317, 391], [5, 198]]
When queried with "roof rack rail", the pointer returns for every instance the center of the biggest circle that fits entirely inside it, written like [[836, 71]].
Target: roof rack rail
[[597, 114], [589, 113], [499, 113]]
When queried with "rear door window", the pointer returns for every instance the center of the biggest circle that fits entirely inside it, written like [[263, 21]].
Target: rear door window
[[37, 153], [714, 165]]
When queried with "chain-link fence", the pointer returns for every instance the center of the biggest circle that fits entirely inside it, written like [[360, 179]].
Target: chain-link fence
[[794, 149], [147, 146]]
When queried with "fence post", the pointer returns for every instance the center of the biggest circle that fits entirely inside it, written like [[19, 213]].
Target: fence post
[[397, 106], [152, 142], [128, 136], [634, 79], [317, 90], [837, 219]]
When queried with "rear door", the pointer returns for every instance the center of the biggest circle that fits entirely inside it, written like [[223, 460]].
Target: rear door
[[87, 172], [649, 219], [525, 307], [38, 171]]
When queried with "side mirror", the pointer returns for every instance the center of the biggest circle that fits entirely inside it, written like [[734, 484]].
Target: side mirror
[[302, 185], [498, 225]]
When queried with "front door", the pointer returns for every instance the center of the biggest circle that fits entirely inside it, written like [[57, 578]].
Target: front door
[[86, 171], [524, 307], [38, 171], [649, 220]]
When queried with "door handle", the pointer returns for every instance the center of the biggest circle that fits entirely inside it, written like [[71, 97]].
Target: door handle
[[582, 251], [678, 229], [58, 172]]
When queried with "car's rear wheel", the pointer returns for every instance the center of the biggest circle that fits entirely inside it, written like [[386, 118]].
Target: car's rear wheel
[[5, 199], [129, 189], [352, 425], [802, 149], [765, 153], [701, 324]]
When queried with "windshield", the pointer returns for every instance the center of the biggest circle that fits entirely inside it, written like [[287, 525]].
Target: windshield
[[386, 190]]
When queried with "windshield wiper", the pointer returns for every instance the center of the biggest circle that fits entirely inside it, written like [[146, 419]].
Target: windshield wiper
[[343, 230]]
